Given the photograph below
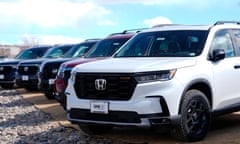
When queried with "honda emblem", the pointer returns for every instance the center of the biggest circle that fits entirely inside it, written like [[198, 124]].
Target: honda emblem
[[25, 68], [100, 84]]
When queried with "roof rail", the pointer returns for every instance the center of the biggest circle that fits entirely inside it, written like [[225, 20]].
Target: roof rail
[[135, 30], [129, 31], [161, 25], [227, 22], [94, 39]]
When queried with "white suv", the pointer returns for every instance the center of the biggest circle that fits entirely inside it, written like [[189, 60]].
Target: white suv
[[178, 75]]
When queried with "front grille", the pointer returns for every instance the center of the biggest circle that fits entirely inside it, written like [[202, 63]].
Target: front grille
[[118, 86], [26, 70], [67, 74], [48, 73], [112, 116], [6, 69]]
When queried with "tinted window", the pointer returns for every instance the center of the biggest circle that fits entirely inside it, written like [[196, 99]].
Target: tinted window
[[79, 50], [181, 43], [106, 47], [32, 53], [222, 40], [236, 37], [57, 52]]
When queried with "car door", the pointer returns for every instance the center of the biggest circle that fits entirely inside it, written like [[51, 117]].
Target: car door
[[226, 72]]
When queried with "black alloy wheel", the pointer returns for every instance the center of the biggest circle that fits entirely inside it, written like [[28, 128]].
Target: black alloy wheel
[[195, 117]]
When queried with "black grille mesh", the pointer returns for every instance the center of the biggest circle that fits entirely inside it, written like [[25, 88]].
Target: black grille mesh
[[26, 70], [47, 72], [6, 70], [118, 87]]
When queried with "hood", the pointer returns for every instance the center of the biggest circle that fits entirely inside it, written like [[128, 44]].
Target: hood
[[133, 65], [10, 62], [57, 61], [33, 61], [73, 63]]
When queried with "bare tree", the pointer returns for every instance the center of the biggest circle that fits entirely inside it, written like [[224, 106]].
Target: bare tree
[[28, 40]]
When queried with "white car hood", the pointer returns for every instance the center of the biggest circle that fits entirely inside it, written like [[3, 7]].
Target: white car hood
[[133, 65]]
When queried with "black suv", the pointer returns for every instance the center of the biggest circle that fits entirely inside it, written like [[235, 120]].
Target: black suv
[[49, 68], [8, 68], [27, 70]]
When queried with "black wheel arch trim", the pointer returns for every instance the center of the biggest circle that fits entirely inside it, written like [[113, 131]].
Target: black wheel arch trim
[[192, 83]]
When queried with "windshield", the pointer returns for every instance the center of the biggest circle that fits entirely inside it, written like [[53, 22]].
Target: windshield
[[79, 50], [106, 48], [180, 43], [32, 53], [57, 52]]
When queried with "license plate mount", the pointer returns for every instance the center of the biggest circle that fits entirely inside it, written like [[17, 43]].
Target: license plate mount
[[101, 107]]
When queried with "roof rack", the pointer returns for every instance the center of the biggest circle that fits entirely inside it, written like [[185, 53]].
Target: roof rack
[[161, 25], [129, 31], [227, 22], [94, 39]]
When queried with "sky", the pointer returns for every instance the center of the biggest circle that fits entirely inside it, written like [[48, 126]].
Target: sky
[[72, 21]]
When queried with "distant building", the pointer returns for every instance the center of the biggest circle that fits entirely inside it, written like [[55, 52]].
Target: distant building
[[10, 51]]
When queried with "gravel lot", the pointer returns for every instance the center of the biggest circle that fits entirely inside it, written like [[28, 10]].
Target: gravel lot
[[29, 118], [22, 123]]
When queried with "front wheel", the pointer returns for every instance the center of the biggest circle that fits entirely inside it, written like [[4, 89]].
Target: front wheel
[[195, 117]]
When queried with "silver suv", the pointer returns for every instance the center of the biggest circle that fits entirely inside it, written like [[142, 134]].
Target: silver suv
[[177, 75]]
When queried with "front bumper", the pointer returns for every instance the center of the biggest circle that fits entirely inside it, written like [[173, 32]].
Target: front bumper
[[7, 78], [123, 118], [153, 103], [47, 85], [27, 81]]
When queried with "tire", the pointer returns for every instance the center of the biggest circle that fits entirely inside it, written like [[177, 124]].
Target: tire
[[7, 86], [95, 129], [49, 95], [195, 117], [64, 101]]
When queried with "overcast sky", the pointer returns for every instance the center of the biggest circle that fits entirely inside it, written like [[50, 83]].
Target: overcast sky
[[71, 21]]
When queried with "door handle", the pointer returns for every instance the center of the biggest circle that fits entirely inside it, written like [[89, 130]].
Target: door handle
[[237, 66]]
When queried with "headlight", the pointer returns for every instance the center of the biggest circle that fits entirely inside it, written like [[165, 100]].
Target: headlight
[[155, 76], [60, 74], [41, 67], [14, 66], [54, 71], [73, 76]]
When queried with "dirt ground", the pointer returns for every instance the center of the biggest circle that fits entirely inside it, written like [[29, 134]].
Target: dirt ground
[[224, 130]]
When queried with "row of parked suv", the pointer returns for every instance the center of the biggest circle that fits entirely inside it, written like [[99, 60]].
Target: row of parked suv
[[37, 68], [169, 75]]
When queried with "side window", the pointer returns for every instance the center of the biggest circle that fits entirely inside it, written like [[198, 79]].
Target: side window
[[236, 37], [222, 40]]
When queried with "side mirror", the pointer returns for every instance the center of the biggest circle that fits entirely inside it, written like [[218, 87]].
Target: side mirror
[[218, 54]]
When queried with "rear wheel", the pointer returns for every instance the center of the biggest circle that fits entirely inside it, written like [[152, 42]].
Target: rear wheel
[[195, 117], [7, 86], [95, 129]]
